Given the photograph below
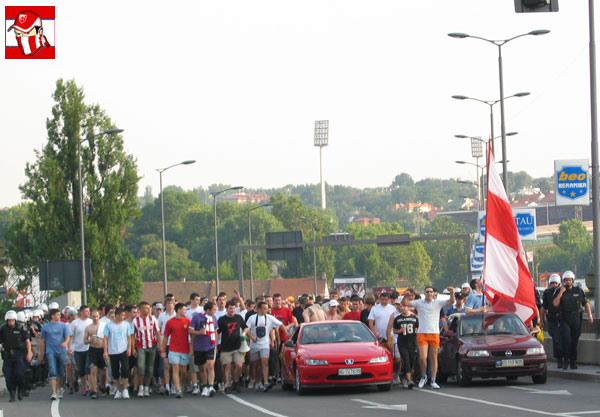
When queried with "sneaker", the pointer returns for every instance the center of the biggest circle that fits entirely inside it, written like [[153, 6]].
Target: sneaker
[[163, 391], [146, 391], [204, 392], [211, 391], [410, 385], [227, 389], [118, 395], [396, 380], [140, 391], [125, 394], [94, 396], [422, 382], [221, 387], [173, 390], [237, 386], [404, 383], [259, 387], [179, 394], [268, 386], [85, 392], [112, 390], [251, 384], [54, 397], [60, 393], [196, 390], [434, 385]]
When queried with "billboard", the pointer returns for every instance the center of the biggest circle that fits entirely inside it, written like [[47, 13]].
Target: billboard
[[524, 218], [349, 286], [572, 182]]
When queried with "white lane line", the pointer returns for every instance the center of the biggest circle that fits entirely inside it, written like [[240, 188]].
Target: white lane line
[[54, 409], [371, 404], [512, 407], [540, 391], [256, 407], [572, 413]]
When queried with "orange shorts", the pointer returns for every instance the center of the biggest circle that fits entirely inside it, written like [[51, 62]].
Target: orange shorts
[[431, 339]]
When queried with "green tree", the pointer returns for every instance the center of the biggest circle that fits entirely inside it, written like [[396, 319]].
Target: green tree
[[448, 257], [50, 227], [403, 180], [572, 235]]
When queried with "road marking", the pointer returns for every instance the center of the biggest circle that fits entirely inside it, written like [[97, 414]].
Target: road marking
[[371, 404], [256, 407], [512, 407], [54, 409], [579, 413], [539, 391]]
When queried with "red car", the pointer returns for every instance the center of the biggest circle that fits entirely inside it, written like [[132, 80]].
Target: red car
[[335, 353], [489, 346]]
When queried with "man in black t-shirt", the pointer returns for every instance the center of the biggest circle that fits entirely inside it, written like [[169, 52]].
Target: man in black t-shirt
[[405, 326], [297, 312], [369, 303], [230, 327]]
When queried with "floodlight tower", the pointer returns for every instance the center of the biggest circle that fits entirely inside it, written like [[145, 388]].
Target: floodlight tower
[[322, 140]]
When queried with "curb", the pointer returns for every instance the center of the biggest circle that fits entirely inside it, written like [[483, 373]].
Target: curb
[[578, 376]]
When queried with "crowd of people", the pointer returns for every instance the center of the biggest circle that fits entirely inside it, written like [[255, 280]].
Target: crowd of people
[[203, 346]]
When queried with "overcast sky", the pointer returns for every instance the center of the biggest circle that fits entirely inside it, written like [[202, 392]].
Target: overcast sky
[[237, 85]]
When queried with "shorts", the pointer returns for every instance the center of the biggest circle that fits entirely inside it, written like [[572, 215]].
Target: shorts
[[177, 358], [96, 358], [119, 365], [132, 362], [428, 339], [257, 354], [145, 362], [83, 363], [56, 365], [234, 356], [409, 357], [201, 356]]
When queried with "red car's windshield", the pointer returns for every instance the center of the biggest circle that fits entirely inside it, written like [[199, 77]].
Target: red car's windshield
[[335, 333], [492, 324]]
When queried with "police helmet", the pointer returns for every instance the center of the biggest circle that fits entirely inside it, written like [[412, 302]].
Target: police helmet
[[10, 315], [554, 278], [28, 314], [568, 275], [37, 313], [43, 307], [21, 317], [53, 305]]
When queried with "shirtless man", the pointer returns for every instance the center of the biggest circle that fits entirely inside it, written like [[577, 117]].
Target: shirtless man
[[333, 314], [313, 313], [95, 353]]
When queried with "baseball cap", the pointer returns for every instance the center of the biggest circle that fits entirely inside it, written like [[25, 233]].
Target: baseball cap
[[26, 20], [333, 303], [159, 306], [72, 313], [460, 296], [465, 285]]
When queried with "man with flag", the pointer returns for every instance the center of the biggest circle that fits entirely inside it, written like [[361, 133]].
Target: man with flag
[[507, 280]]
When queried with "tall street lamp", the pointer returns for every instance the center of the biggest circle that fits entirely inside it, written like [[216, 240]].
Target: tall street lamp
[[314, 250], [499, 44], [162, 217], [250, 243], [214, 196], [490, 103], [477, 166], [81, 228]]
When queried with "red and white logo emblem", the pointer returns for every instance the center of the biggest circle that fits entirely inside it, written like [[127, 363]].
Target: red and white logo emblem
[[32, 34]]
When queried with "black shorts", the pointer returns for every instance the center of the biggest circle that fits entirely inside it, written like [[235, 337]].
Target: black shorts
[[201, 356], [96, 357], [119, 365], [132, 362], [409, 358]]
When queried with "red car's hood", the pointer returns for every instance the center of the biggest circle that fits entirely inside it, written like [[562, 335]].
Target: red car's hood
[[336, 352], [500, 342]]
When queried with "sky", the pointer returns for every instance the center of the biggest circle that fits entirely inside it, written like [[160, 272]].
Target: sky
[[238, 84]]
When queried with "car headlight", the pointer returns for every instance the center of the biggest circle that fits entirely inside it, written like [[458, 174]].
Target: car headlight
[[536, 351], [478, 353], [379, 359], [316, 362]]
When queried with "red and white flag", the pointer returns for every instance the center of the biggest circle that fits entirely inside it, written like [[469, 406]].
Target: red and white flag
[[507, 280]]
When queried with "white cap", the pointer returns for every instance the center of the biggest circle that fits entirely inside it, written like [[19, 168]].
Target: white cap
[[465, 285], [53, 305], [554, 278], [568, 275]]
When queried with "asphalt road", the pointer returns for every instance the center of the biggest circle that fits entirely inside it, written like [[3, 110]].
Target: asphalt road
[[558, 397]]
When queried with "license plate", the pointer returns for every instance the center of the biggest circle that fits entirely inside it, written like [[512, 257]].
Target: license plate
[[509, 362], [349, 371]]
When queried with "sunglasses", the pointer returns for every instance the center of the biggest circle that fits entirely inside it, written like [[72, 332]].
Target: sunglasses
[[429, 291]]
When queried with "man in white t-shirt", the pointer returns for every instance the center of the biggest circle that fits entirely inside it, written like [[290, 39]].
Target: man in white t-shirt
[[261, 326], [79, 348], [379, 316], [428, 335]]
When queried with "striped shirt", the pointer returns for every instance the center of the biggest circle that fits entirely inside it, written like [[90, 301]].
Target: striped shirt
[[145, 330]]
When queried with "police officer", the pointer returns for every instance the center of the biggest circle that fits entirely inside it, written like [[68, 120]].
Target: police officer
[[16, 350], [571, 299], [552, 315]]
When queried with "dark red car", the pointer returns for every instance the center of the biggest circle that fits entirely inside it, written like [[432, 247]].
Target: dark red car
[[490, 346], [335, 353]]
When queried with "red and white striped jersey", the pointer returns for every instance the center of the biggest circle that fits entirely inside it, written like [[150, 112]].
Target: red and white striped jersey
[[145, 330]]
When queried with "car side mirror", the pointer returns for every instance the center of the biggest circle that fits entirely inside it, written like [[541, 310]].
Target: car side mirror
[[289, 343]]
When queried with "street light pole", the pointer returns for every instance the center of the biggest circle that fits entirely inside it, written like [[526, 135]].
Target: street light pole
[[250, 243], [162, 217], [214, 196], [314, 251], [81, 225], [499, 44]]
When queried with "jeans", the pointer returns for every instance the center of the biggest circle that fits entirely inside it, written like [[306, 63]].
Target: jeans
[[56, 364]]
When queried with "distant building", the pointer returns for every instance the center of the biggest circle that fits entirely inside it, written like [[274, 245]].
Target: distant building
[[365, 221], [419, 207], [244, 198], [535, 199]]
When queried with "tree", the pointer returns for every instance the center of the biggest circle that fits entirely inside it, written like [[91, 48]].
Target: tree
[[448, 257], [572, 235], [403, 180], [50, 226]]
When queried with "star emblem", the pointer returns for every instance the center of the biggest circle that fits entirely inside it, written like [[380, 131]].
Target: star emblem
[[572, 193]]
